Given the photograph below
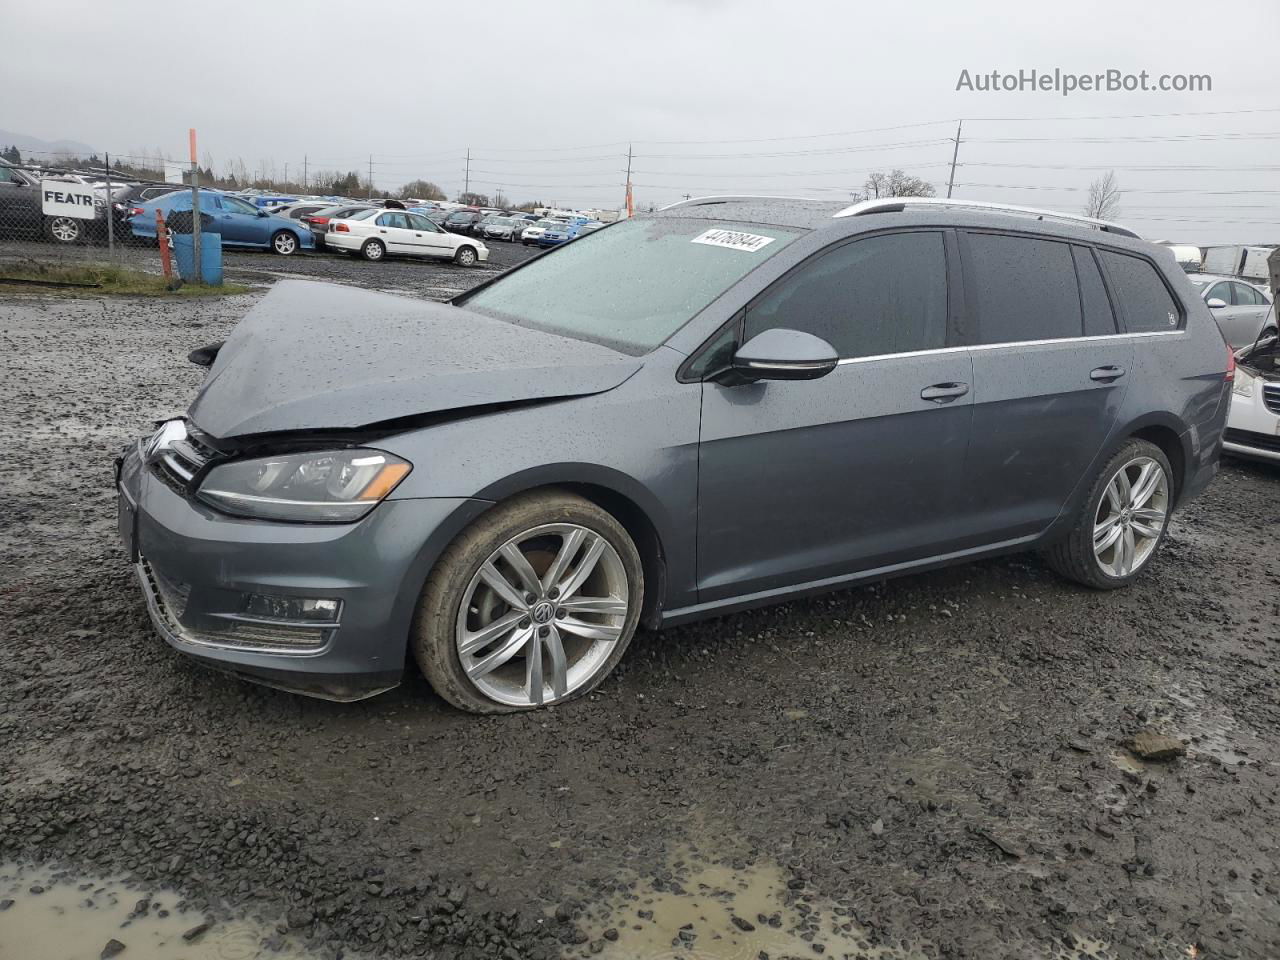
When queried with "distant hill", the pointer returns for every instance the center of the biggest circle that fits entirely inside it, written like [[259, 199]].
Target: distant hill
[[42, 148]]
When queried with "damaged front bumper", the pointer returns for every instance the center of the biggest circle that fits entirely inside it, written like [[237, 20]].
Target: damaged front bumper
[[318, 609]]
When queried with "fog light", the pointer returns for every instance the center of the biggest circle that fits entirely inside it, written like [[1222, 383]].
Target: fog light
[[292, 608]]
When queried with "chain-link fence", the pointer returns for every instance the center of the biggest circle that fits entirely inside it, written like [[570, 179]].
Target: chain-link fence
[[72, 212]]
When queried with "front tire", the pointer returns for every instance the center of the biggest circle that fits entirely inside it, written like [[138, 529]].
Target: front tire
[[466, 256], [373, 250], [1123, 522], [533, 604], [284, 243]]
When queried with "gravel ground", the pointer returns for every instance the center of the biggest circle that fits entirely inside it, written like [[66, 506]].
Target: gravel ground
[[929, 767]]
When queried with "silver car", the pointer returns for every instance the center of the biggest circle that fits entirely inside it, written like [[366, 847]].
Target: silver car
[[503, 228], [1244, 312]]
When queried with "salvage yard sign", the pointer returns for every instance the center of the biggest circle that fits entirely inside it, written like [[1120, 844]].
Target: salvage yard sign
[[58, 198]]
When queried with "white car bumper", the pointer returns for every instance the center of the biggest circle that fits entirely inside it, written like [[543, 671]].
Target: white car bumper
[[1253, 427], [343, 241]]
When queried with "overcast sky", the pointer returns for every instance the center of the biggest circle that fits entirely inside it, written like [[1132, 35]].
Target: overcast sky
[[547, 95]]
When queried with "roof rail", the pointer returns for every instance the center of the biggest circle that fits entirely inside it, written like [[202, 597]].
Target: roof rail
[[691, 201], [898, 204]]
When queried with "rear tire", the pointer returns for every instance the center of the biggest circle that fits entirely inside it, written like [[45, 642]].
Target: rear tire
[[1123, 522], [373, 250], [466, 256], [64, 229], [576, 649]]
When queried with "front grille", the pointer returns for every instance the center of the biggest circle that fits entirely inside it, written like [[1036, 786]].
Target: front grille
[[169, 599], [1247, 438], [181, 461], [1271, 396]]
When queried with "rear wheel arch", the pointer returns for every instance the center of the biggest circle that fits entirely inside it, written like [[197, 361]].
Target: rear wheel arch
[[1172, 445]]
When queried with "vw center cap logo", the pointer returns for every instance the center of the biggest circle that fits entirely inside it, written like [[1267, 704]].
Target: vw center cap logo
[[543, 612]]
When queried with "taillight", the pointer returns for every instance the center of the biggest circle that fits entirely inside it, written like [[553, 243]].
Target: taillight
[[135, 211], [317, 219], [1231, 364], [341, 228]]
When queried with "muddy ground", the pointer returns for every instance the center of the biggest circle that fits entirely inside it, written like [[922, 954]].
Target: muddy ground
[[930, 767]]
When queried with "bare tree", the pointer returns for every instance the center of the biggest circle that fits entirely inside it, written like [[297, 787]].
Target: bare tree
[[1104, 197], [896, 184]]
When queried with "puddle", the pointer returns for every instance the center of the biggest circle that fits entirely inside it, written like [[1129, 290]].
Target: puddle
[[701, 913], [75, 919]]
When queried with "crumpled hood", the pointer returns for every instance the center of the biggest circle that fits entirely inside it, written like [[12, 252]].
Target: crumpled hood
[[316, 356]]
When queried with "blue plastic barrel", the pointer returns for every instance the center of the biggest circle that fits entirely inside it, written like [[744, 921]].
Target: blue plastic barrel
[[210, 256]]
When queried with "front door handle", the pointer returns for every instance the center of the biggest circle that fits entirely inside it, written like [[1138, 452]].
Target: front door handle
[[944, 392], [1106, 374]]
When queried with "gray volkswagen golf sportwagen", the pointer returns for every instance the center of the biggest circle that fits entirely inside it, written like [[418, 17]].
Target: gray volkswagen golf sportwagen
[[732, 402]]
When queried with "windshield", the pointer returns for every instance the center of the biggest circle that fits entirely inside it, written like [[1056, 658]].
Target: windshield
[[631, 286], [544, 224], [501, 221]]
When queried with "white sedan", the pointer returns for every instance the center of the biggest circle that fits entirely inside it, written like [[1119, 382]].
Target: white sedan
[[1253, 423], [531, 234], [373, 234]]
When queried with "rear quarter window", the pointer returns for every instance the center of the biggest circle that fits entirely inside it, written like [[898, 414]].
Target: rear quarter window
[[1145, 302]]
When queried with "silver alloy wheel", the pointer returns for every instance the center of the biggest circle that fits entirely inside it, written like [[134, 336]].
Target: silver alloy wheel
[[373, 250], [286, 243], [65, 229], [466, 257], [1131, 517], [541, 616]]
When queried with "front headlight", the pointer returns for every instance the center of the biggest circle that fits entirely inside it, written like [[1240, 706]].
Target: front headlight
[[1242, 385], [334, 486]]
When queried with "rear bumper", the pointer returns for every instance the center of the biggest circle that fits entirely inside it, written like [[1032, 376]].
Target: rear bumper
[[198, 569], [343, 241]]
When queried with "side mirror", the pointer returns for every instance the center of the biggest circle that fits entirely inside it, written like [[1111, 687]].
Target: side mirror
[[1214, 303], [782, 354], [263, 213]]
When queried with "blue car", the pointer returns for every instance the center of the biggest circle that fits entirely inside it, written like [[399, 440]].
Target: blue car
[[560, 233], [240, 223]]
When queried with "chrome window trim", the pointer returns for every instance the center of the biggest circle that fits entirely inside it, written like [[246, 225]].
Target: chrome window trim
[[1013, 343]]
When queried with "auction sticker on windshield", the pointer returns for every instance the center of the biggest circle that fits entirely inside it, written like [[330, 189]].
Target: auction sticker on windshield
[[733, 239]]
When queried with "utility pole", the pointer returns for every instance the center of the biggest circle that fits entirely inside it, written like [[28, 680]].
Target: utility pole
[[304, 171], [954, 153], [371, 176], [628, 201], [467, 182], [111, 239], [286, 173]]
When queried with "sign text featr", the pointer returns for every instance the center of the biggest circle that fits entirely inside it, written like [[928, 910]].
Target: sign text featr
[[61, 199]]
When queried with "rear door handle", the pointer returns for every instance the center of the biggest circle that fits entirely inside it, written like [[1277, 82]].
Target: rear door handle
[[1106, 374], [944, 392]]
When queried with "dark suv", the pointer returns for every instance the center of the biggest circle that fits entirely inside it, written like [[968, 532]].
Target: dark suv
[[733, 402]]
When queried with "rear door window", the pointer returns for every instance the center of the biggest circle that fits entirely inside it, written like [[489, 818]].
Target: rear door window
[[1022, 288], [1145, 301], [881, 295], [1245, 296], [1099, 317]]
